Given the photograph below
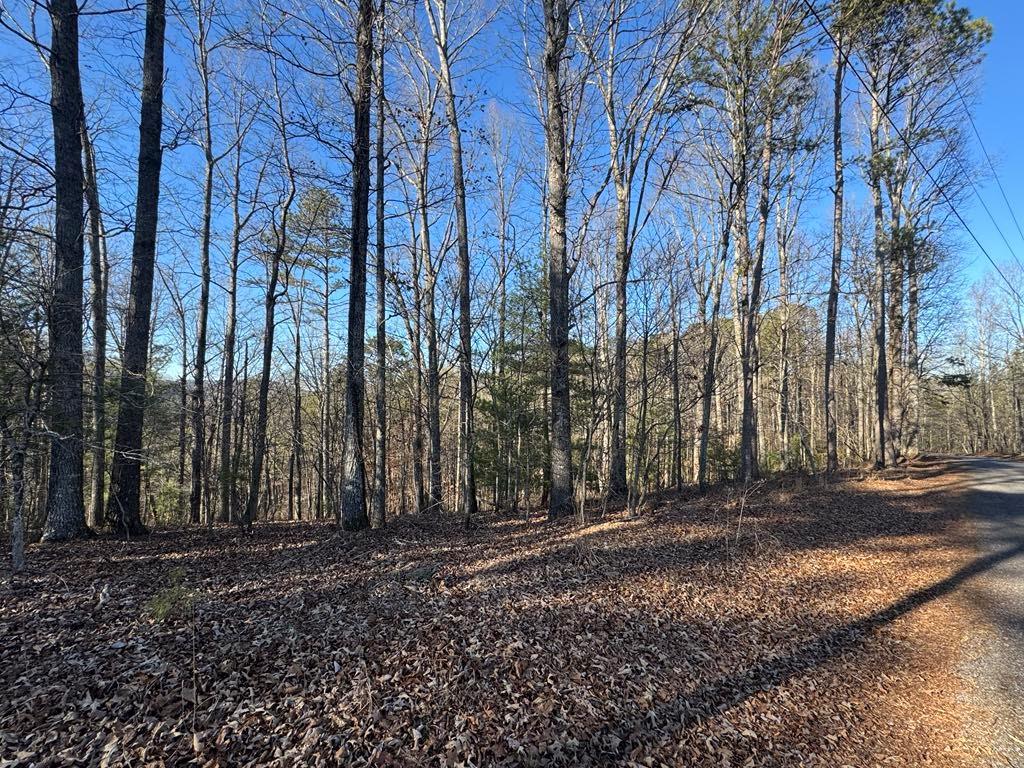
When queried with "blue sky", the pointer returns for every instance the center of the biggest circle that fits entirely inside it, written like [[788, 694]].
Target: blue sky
[[998, 116]]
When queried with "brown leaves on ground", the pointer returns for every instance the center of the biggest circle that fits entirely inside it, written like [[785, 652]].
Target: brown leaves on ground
[[815, 633]]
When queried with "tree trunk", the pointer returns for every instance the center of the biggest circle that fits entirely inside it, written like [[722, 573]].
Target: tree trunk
[[749, 466], [436, 502], [467, 480], [99, 277], [6, 446], [123, 506], [280, 234], [782, 239], [829, 395], [227, 474], [708, 383], [325, 497], [881, 372], [182, 404], [1018, 408], [240, 437], [18, 497], [913, 371], [897, 379], [353, 493], [295, 459], [202, 320], [259, 441], [640, 466], [617, 473], [65, 507], [378, 509], [417, 438], [502, 422], [677, 416], [199, 382], [18, 449], [556, 18], [413, 326]]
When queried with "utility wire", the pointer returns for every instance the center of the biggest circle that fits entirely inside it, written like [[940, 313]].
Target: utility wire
[[988, 158], [984, 205], [913, 152]]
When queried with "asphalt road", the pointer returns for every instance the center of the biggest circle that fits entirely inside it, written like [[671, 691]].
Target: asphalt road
[[996, 502]]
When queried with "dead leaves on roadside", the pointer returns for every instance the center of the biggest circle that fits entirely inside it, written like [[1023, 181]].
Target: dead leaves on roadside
[[664, 641]]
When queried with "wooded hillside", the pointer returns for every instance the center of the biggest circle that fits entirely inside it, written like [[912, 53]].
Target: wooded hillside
[[366, 261]]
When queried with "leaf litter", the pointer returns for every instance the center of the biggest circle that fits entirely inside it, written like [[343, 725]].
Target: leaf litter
[[807, 636]]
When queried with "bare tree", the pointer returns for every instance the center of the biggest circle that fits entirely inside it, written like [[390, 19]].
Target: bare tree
[[378, 509], [295, 458], [780, 30], [123, 504], [448, 53], [99, 279], [24, 277], [353, 514], [835, 273], [204, 13], [421, 319], [509, 174], [636, 49], [278, 236], [65, 509], [709, 289], [239, 221], [556, 28]]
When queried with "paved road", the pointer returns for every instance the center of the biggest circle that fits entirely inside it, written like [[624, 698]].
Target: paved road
[[996, 501]]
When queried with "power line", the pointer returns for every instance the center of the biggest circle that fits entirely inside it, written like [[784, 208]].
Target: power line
[[910, 148], [984, 205], [988, 157]]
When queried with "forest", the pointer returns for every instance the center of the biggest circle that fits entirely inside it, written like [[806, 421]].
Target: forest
[[381, 271], [737, 257]]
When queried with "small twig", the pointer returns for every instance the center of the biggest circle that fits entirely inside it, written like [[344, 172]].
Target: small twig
[[195, 671], [747, 489]]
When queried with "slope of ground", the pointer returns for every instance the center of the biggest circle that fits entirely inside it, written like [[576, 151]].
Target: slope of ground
[[799, 626]]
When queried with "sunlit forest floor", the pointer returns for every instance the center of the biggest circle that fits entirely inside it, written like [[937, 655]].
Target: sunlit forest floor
[[815, 629]]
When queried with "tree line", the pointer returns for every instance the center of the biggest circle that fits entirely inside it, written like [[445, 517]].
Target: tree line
[[610, 248]]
